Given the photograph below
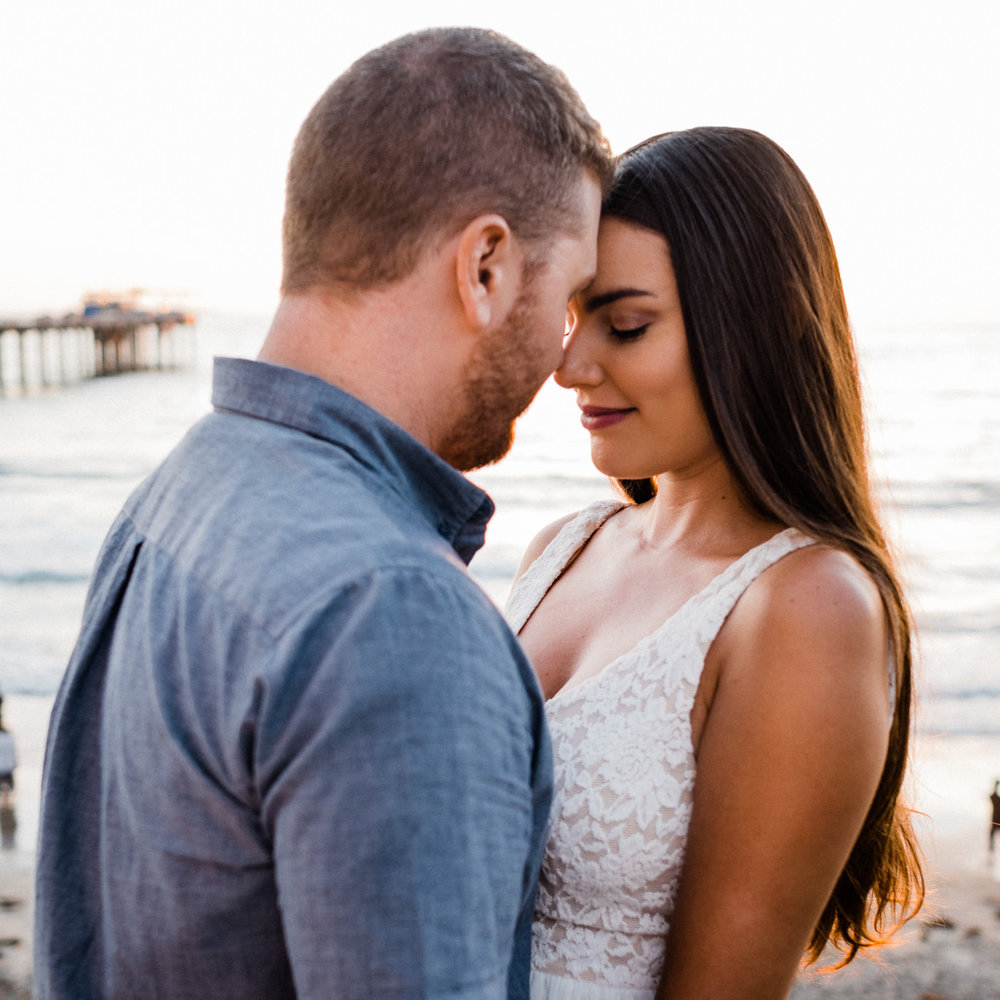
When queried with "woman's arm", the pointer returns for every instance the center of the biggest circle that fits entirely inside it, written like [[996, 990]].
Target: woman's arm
[[788, 763]]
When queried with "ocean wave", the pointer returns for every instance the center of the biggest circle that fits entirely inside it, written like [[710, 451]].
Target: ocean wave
[[86, 475], [34, 577], [944, 494], [972, 624], [951, 731], [972, 711], [534, 477], [941, 695]]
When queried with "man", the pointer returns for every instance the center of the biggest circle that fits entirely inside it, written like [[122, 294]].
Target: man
[[297, 752]]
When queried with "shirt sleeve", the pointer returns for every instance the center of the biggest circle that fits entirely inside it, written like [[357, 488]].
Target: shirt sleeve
[[396, 757]]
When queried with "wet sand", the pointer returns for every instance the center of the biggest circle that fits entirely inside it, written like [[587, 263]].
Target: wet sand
[[950, 951]]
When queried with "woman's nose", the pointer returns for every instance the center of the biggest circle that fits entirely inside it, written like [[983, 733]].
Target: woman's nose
[[579, 366]]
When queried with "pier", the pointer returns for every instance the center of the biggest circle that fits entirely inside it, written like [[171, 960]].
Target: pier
[[103, 338]]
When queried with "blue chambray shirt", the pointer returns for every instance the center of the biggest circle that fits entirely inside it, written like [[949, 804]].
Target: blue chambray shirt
[[297, 752]]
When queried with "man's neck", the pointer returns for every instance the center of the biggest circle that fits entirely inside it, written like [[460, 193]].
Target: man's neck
[[375, 348]]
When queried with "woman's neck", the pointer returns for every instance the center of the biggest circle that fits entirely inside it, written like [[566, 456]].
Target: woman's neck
[[702, 513]]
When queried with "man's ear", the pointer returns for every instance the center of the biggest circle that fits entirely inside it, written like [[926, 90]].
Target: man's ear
[[488, 269]]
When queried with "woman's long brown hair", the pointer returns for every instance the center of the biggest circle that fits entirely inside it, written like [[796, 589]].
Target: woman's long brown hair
[[772, 353]]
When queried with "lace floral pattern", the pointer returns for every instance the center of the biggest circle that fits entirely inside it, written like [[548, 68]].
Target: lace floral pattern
[[624, 776]]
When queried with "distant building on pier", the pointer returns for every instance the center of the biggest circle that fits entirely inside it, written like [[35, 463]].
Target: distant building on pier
[[107, 335]]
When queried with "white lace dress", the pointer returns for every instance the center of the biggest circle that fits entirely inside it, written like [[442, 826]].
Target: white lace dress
[[624, 775]]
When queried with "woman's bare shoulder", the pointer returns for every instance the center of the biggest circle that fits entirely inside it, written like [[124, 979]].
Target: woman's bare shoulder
[[541, 541], [813, 616], [819, 586]]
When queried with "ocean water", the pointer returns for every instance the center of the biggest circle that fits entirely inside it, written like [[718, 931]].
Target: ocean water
[[70, 456]]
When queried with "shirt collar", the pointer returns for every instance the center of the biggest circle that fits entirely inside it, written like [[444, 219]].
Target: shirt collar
[[457, 509]]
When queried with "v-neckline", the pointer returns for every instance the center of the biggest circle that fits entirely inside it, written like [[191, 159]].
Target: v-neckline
[[717, 581]]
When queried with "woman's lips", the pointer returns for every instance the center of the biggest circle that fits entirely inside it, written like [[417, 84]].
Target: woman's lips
[[595, 418]]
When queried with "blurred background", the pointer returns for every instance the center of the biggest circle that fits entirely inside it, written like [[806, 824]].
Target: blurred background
[[144, 147]]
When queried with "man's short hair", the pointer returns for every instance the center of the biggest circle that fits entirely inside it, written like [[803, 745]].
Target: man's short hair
[[422, 135]]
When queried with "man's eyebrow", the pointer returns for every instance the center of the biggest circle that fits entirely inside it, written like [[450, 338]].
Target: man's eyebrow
[[595, 302]]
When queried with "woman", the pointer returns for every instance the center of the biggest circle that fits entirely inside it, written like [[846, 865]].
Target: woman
[[726, 655]]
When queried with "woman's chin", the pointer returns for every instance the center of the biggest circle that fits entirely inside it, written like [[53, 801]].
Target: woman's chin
[[607, 466]]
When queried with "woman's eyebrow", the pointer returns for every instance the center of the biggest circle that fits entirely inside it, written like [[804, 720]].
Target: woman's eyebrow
[[595, 302]]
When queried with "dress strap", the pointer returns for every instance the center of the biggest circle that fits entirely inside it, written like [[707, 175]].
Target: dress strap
[[712, 605], [536, 580]]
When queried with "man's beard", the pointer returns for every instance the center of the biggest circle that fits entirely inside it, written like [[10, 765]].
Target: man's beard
[[502, 378]]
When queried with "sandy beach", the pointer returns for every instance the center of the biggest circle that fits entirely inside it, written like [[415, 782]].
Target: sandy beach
[[950, 952]]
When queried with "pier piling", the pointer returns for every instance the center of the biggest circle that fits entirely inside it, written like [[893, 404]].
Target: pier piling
[[102, 339]]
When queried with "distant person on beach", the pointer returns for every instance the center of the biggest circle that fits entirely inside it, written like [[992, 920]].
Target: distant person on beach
[[8, 760], [297, 751], [8, 764], [995, 822], [726, 650]]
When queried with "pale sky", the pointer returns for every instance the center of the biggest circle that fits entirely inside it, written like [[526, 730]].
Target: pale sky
[[145, 143]]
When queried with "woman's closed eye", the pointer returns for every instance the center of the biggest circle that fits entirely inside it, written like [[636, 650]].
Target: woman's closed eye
[[627, 333]]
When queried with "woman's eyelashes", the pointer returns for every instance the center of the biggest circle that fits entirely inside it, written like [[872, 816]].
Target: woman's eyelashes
[[627, 333]]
